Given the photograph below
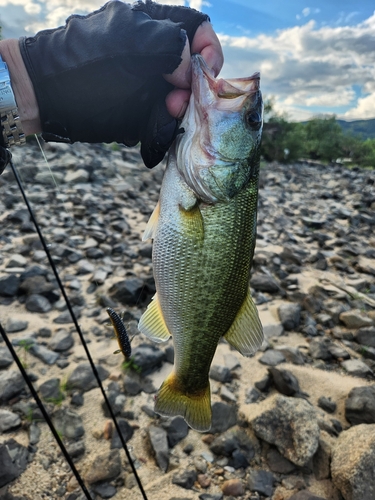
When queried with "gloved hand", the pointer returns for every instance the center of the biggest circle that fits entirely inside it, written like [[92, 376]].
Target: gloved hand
[[99, 78]]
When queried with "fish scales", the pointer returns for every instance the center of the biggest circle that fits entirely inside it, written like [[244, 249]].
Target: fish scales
[[204, 231], [221, 258]]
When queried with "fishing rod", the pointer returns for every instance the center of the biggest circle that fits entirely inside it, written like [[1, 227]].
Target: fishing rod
[[76, 325]]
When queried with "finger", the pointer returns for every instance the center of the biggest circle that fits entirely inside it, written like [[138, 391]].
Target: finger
[[181, 76], [177, 102], [207, 44]]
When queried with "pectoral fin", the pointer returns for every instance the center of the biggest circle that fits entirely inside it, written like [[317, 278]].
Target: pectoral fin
[[152, 323], [246, 332], [152, 224]]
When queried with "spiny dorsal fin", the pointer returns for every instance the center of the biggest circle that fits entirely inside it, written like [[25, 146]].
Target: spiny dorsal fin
[[152, 323], [246, 332], [152, 224]]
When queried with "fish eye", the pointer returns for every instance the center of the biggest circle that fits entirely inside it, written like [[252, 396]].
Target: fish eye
[[254, 120]]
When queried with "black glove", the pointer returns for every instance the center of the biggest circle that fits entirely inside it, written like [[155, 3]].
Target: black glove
[[99, 78]]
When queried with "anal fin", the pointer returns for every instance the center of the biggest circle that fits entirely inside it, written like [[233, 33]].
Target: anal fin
[[246, 332], [152, 323]]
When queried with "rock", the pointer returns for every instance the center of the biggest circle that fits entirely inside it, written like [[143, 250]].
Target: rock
[[319, 349], [322, 460], [360, 405], [37, 303], [16, 260], [277, 463], [38, 285], [6, 359], [290, 315], [366, 336], [8, 470], [326, 404], [14, 325], [8, 420], [129, 292], [357, 368], [68, 423], [50, 390], [236, 445], [354, 473], [44, 354], [185, 479], [77, 176], [104, 467], [233, 488], [272, 357], [104, 490], [284, 381], [355, 319], [66, 318], [11, 385], [159, 443], [252, 395], [264, 283], [292, 354], [273, 330], [148, 358], [208, 496], [261, 481], [220, 373], [305, 495], [177, 429], [83, 379], [61, 341], [76, 448], [127, 432], [9, 286], [288, 423], [224, 416]]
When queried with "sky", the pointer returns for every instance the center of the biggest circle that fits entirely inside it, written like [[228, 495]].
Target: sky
[[316, 57]]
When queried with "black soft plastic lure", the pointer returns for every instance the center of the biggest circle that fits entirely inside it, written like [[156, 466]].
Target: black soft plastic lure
[[121, 333]]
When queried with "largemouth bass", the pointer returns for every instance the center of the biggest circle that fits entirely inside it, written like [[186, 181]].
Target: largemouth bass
[[204, 230]]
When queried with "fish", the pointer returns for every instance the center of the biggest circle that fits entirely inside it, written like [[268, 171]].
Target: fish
[[204, 232], [119, 328]]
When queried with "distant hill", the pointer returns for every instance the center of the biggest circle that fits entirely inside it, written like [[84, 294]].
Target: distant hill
[[364, 129]]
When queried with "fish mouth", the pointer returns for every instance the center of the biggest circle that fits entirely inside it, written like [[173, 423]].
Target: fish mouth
[[206, 88]]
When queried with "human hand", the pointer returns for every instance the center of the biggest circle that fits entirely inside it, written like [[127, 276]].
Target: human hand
[[206, 43]]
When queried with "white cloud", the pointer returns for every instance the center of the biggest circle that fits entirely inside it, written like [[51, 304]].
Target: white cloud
[[309, 67]]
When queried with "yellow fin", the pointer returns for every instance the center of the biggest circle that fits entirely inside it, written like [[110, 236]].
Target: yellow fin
[[195, 409], [152, 323], [246, 332], [152, 223]]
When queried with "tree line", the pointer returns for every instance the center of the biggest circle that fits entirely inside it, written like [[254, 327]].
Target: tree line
[[319, 139]]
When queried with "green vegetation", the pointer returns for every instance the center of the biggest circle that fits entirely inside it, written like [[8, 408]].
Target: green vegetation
[[25, 346], [321, 139], [131, 365]]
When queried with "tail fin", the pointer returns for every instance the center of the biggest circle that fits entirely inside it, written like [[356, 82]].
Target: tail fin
[[195, 409]]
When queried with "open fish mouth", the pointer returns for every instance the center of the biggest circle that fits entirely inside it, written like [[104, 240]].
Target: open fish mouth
[[206, 88]]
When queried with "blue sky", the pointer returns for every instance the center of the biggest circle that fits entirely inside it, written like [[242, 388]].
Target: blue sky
[[315, 57]]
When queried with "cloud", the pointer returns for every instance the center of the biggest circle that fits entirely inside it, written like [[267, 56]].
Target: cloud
[[308, 67]]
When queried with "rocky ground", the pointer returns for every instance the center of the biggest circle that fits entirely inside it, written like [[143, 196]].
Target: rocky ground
[[296, 421]]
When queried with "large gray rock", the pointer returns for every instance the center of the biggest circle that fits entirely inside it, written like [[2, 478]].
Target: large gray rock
[[288, 423], [159, 443], [360, 405], [11, 384], [83, 379], [68, 423], [104, 467], [290, 316], [353, 463]]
